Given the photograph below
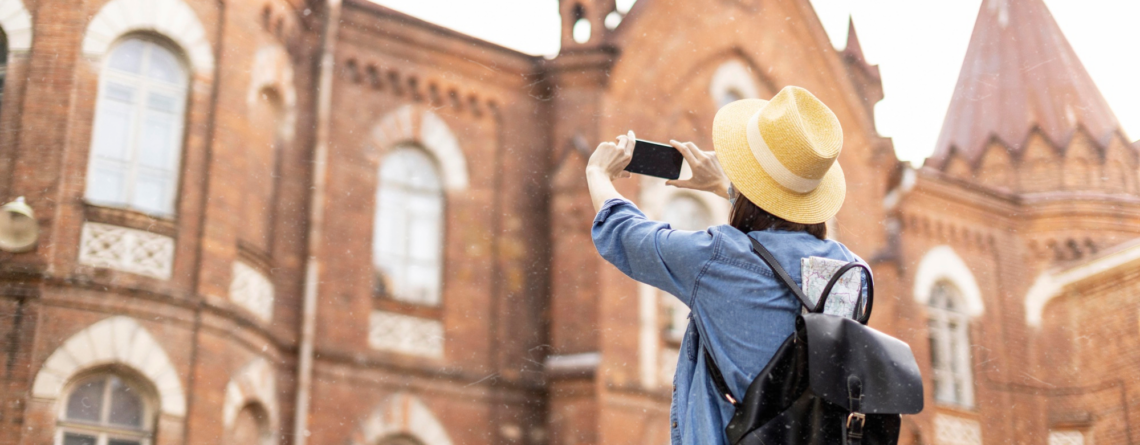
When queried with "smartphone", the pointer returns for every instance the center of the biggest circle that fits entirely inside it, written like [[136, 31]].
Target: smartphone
[[655, 159]]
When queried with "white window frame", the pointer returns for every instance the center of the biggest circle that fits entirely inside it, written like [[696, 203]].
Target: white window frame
[[143, 86], [104, 432], [436, 299], [951, 343]]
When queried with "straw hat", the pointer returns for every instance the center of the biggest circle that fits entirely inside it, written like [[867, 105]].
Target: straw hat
[[781, 154]]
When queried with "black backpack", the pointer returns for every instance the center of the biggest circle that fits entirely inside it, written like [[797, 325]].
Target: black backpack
[[833, 381]]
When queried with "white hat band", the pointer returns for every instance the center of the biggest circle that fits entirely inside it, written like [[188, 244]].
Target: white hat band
[[771, 164]]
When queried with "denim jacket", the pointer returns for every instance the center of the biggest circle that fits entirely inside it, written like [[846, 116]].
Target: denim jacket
[[740, 311]]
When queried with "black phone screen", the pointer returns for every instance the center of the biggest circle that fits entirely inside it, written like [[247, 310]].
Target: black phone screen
[[654, 159]]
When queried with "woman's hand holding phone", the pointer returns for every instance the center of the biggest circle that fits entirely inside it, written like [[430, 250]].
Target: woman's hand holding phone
[[611, 159], [708, 176]]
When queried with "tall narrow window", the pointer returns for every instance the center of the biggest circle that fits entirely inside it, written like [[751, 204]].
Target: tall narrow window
[[106, 410], [136, 144], [262, 157], [407, 246], [950, 346]]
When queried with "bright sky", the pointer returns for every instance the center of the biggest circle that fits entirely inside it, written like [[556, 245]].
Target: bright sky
[[918, 45]]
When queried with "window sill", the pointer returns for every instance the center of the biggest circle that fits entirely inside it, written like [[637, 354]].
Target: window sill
[[388, 304], [132, 219]]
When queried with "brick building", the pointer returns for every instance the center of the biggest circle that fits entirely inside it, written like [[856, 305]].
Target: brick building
[[303, 221]]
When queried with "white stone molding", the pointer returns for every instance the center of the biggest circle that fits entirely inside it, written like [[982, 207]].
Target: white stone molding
[[171, 18], [429, 131], [1066, 437], [943, 264], [128, 250], [117, 340], [950, 430], [252, 290], [401, 414], [17, 24], [733, 75], [405, 334], [272, 68], [1051, 283], [254, 383]]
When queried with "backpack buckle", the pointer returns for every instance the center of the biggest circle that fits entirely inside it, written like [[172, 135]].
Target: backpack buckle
[[859, 419]]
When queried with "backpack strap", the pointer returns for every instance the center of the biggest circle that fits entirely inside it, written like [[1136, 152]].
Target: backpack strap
[[781, 273], [714, 370]]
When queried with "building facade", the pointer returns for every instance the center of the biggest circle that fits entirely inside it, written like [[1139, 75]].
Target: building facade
[[326, 222]]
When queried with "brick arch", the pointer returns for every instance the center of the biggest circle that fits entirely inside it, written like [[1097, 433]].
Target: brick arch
[[734, 74], [171, 18], [17, 24], [423, 127], [401, 415], [117, 340], [273, 68], [943, 264], [254, 383]]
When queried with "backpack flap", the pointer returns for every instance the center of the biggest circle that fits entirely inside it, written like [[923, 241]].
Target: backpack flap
[[840, 349]]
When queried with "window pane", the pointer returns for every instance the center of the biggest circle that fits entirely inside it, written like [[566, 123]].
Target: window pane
[[127, 56], [164, 66], [112, 131], [126, 408], [106, 183], [123, 442], [150, 193], [157, 146], [78, 439], [86, 401]]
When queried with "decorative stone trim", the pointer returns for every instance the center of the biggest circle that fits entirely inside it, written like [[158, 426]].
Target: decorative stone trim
[[17, 24], [254, 383], [401, 415], [171, 18], [252, 290], [429, 131], [272, 68], [405, 334], [942, 263], [1066, 437], [950, 430], [116, 340], [1050, 283], [129, 250]]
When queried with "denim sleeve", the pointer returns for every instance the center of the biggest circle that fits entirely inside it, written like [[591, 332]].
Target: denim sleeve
[[650, 251]]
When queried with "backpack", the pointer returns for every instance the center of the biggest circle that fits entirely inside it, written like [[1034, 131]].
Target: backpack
[[832, 381]]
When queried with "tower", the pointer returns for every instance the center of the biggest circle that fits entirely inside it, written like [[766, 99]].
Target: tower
[[1025, 112], [584, 22]]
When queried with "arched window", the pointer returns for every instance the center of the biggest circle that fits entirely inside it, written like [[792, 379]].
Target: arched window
[[136, 144], [732, 81], [729, 96], [251, 427], [948, 325], [262, 157], [682, 212], [407, 243], [106, 410]]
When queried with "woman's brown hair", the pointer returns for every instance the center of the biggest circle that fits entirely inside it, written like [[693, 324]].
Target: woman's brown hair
[[749, 217]]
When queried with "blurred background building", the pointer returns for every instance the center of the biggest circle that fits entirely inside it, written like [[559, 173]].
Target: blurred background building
[[326, 222]]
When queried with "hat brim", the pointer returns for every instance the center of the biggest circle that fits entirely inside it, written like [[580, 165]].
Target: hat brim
[[730, 140]]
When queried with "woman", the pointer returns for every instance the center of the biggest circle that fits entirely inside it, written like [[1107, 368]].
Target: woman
[[777, 160]]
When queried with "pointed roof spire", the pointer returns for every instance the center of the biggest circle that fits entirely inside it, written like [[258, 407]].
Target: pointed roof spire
[[1020, 73], [854, 50]]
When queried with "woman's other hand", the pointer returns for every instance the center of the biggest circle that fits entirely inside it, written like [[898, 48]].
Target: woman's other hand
[[708, 176], [610, 159]]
